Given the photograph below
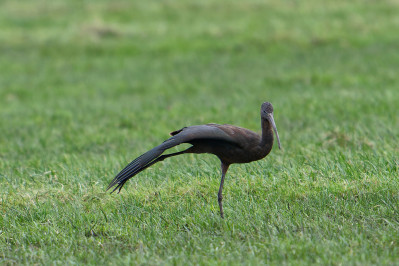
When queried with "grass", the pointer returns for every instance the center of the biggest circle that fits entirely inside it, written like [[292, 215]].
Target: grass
[[85, 87]]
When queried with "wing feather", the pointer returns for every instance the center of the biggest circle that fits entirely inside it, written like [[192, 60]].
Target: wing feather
[[184, 135]]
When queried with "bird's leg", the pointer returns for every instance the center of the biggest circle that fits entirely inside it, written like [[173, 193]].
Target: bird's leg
[[162, 157], [220, 196]]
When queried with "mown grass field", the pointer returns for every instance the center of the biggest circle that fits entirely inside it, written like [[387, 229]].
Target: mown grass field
[[85, 87]]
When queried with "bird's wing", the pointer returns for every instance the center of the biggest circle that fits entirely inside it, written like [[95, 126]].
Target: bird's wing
[[134, 167], [208, 131], [184, 135]]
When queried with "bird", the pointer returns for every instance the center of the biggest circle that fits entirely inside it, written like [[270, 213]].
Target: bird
[[231, 144]]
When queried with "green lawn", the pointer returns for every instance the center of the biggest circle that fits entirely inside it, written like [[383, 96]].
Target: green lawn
[[87, 86]]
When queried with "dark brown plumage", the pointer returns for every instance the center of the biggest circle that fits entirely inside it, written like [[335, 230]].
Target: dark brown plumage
[[229, 143]]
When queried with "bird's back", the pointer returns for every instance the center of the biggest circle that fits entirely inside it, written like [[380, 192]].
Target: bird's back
[[230, 143]]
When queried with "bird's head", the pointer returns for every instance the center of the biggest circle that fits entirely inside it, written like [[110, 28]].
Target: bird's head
[[266, 112]]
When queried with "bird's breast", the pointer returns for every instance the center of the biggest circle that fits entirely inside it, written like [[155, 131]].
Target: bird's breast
[[230, 153]]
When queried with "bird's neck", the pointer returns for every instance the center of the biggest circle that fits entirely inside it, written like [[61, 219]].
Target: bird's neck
[[267, 136]]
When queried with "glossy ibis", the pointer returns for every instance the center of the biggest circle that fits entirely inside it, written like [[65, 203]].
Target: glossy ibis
[[229, 143]]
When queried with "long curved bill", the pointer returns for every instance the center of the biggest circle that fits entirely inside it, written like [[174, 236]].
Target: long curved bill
[[275, 129]]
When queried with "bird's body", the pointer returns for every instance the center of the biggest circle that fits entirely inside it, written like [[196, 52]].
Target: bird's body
[[235, 145], [231, 144]]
